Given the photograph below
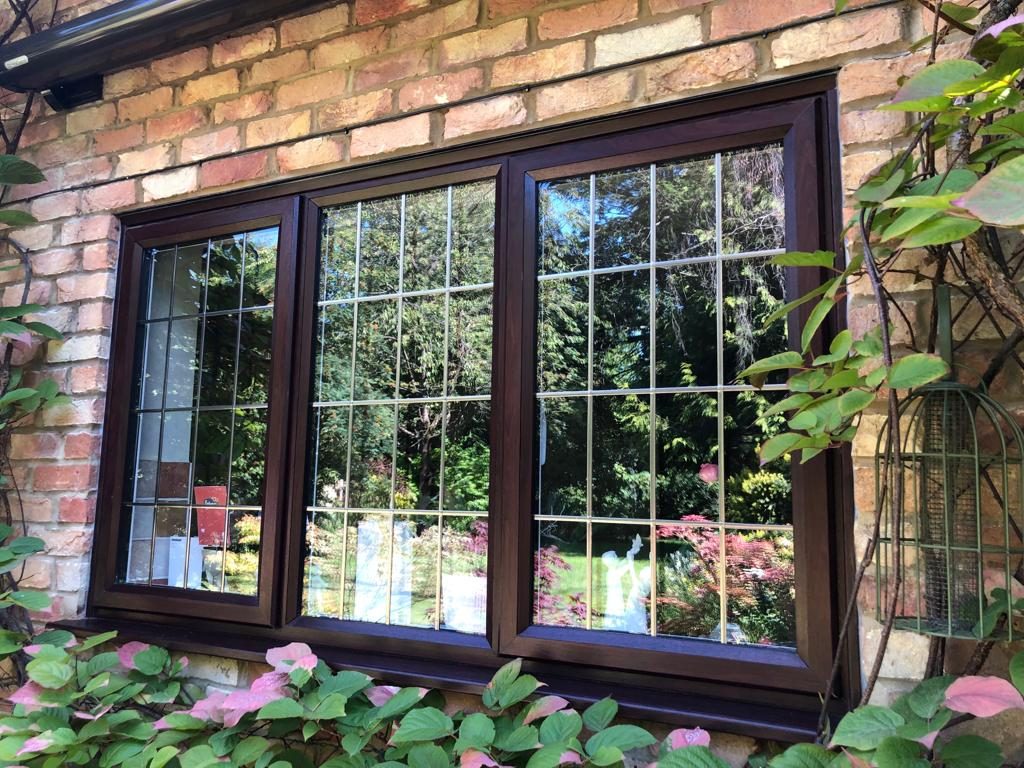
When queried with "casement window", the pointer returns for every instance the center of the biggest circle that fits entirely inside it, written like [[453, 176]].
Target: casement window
[[431, 414]]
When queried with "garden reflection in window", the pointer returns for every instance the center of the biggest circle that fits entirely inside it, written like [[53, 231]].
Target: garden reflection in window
[[194, 494], [652, 512], [396, 516]]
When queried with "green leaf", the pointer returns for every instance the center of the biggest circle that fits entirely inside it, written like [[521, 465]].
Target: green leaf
[[1010, 125], [399, 703], [16, 218], [47, 673], [426, 724], [163, 756], [1017, 670], [916, 370], [824, 259], [600, 714], [790, 403], [279, 709], [331, 708], [199, 756], [907, 221], [855, 401], [895, 752], [14, 170], [803, 756], [925, 91], [428, 756], [785, 309], [880, 187], [691, 757], [521, 688], [926, 699], [523, 738], [814, 321], [502, 679], [47, 331], [31, 601], [606, 756], [560, 727], [779, 445], [477, 731], [92, 642], [781, 361], [996, 198], [623, 737], [309, 730], [11, 642], [930, 202], [151, 661], [547, 757], [971, 751], [864, 728], [939, 231]]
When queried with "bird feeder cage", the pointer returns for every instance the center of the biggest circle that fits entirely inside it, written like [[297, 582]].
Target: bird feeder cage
[[956, 540]]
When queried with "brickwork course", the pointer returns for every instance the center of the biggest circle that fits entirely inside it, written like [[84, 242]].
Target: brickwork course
[[353, 83]]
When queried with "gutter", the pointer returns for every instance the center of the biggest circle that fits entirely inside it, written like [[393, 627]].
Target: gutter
[[66, 63]]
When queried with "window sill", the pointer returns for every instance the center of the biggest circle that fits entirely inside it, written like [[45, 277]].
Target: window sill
[[762, 721]]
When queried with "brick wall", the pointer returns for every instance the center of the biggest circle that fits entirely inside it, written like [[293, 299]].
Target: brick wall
[[332, 88]]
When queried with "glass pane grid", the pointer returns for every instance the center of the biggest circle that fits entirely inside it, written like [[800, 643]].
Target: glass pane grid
[[611, 337], [400, 411], [198, 494]]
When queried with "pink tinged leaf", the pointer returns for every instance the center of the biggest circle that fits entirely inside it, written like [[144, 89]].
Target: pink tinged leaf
[[474, 758], [126, 653], [270, 682], [570, 757], [240, 703], [997, 29], [93, 715], [211, 708], [161, 724], [35, 744], [277, 657], [379, 695], [855, 761], [306, 662], [27, 696], [689, 737], [983, 696], [184, 662], [543, 707], [708, 473], [928, 740], [33, 649]]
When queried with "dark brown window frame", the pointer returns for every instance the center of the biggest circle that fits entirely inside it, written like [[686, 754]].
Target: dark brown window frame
[[762, 691]]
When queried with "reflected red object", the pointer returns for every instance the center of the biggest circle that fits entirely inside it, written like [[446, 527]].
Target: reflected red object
[[211, 501]]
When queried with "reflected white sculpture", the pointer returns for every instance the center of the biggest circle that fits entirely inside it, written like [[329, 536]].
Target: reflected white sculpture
[[626, 614], [372, 581]]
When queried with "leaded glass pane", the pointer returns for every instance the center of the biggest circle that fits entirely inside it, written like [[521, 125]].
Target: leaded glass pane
[[400, 458]]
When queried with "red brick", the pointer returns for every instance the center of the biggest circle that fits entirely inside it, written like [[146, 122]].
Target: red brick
[[99, 256], [440, 89], [309, 154], [124, 82], [37, 445], [325, 85], [488, 115], [348, 48], [369, 11], [390, 69], [89, 119], [80, 412], [54, 262], [540, 65], [356, 109], [66, 541], [95, 285], [159, 186], [570, 22], [671, 6], [242, 108], [88, 228], [95, 316], [63, 477], [82, 445], [436, 23], [56, 206], [175, 125], [244, 47], [60, 152], [413, 131], [144, 160], [701, 69], [36, 509], [132, 108], [231, 170], [498, 8], [219, 142], [90, 377], [484, 43], [314, 26], [279, 68], [585, 94], [844, 34], [74, 510], [34, 238], [871, 125], [210, 87], [107, 197], [39, 131], [37, 573], [738, 17], [88, 171], [118, 139], [280, 128], [181, 65]]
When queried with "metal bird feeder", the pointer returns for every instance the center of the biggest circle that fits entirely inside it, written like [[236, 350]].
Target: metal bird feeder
[[957, 541]]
